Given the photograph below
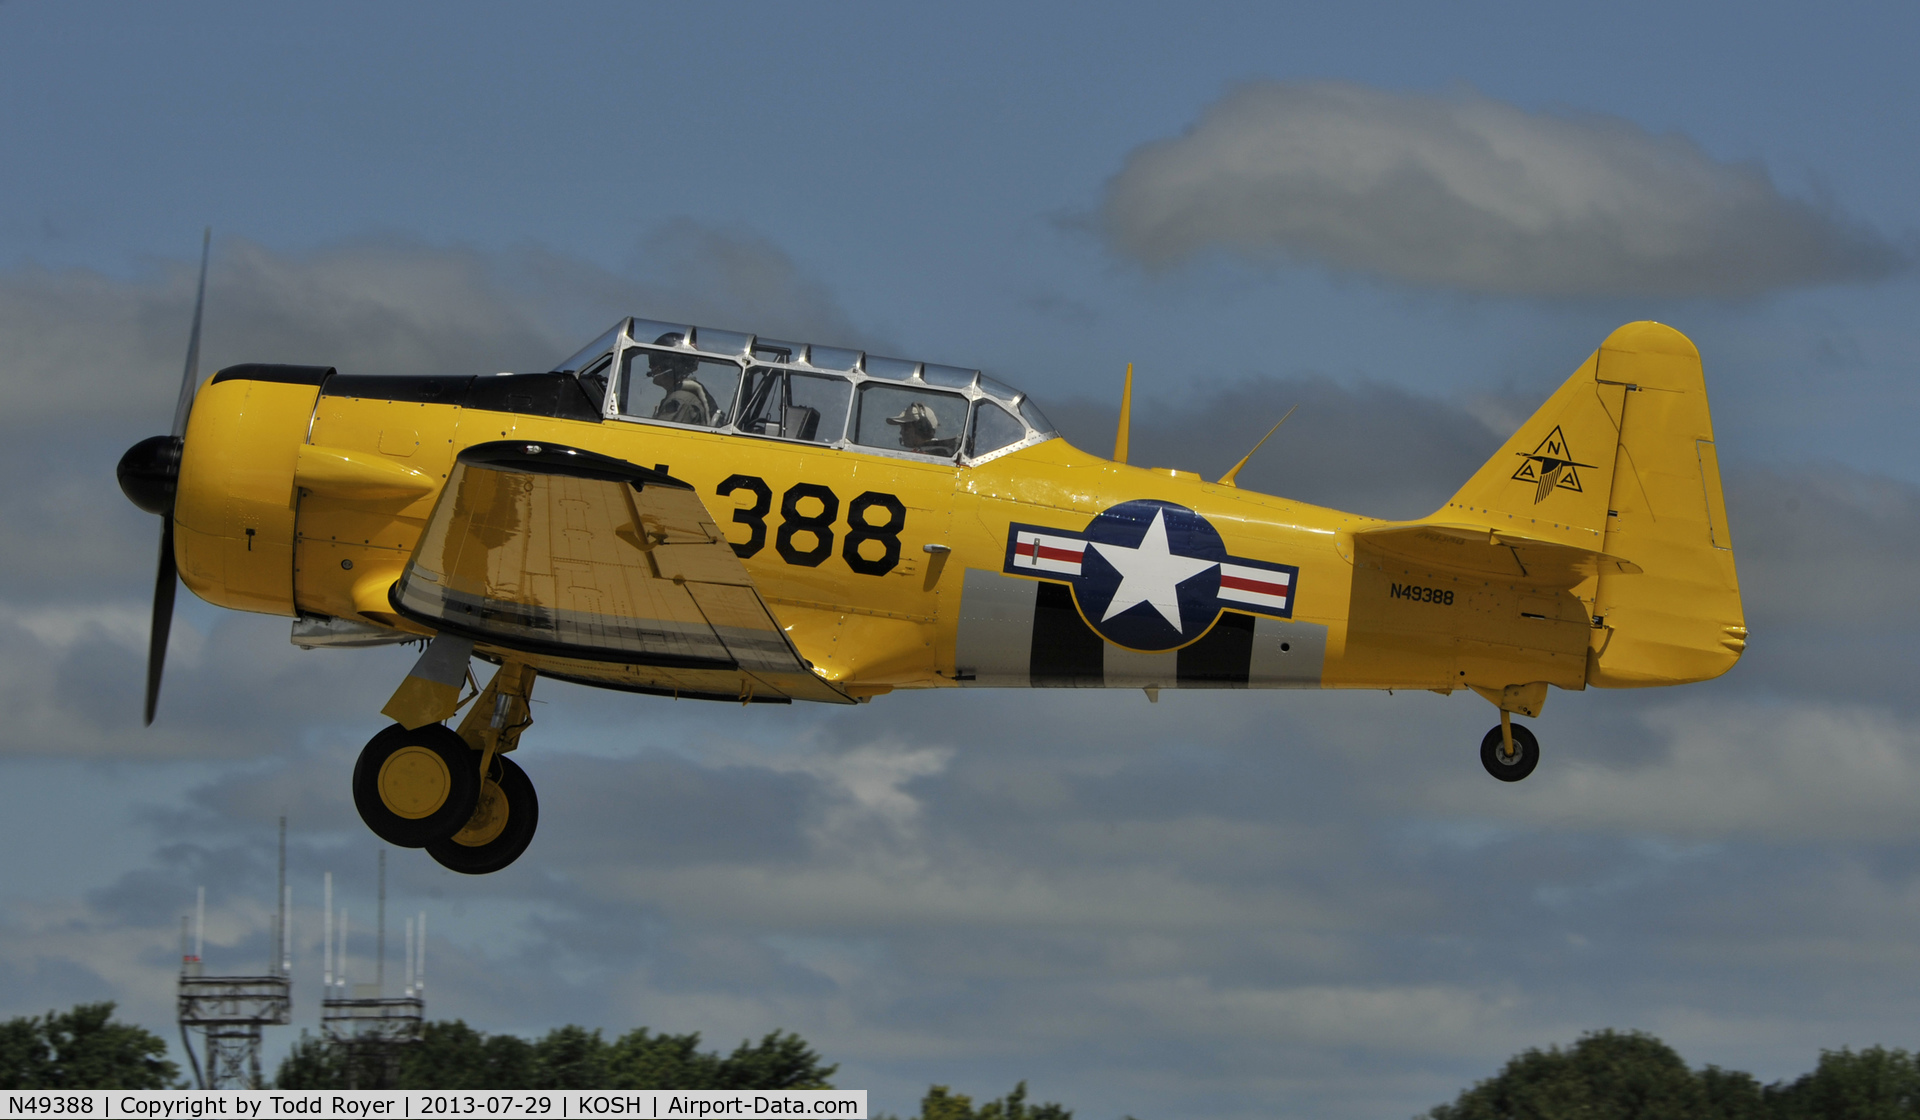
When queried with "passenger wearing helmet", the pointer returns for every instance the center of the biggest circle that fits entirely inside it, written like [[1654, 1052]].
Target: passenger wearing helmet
[[917, 424], [687, 401]]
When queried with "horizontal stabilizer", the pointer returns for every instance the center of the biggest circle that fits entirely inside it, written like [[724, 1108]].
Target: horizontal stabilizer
[[1482, 551]]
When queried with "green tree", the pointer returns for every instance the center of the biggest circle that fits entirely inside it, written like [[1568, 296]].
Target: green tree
[[453, 1055], [780, 1061], [311, 1064], [1874, 1084], [942, 1103], [510, 1063], [1607, 1075], [1733, 1095], [82, 1049], [25, 1057], [570, 1057], [641, 1059]]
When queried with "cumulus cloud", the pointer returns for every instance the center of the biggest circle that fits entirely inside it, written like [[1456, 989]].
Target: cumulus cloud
[[1460, 191], [81, 342], [1843, 540], [1725, 768]]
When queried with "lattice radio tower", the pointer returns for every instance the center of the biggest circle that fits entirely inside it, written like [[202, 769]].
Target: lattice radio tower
[[370, 1028], [229, 1011]]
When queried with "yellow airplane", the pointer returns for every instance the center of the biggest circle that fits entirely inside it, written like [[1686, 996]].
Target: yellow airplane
[[701, 514]]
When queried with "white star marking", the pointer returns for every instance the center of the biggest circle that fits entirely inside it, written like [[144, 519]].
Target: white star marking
[[1151, 573]]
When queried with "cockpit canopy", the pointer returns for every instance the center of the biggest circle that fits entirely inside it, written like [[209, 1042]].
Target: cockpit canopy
[[716, 380]]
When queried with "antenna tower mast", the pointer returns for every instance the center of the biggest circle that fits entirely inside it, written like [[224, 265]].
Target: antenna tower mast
[[229, 1011], [372, 1028]]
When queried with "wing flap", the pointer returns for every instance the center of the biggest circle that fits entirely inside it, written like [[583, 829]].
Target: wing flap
[[562, 553]]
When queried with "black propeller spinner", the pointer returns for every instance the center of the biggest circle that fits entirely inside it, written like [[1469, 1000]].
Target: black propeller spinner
[[149, 474]]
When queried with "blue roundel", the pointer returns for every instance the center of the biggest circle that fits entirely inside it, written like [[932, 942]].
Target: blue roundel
[[1150, 578]]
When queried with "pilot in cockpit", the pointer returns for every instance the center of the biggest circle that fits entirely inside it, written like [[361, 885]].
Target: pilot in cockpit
[[687, 401], [917, 424]]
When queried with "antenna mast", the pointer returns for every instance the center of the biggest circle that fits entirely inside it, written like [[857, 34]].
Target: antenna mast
[[278, 952], [326, 951], [229, 1011], [380, 938], [363, 1024]]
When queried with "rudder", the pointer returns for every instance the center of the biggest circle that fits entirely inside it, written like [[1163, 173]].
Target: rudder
[[1680, 618]]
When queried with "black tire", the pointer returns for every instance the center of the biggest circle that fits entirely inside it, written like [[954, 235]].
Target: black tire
[[489, 855], [1525, 745], [412, 812]]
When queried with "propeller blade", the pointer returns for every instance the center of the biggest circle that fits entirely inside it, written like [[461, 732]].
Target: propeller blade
[[163, 587], [166, 581], [190, 380]]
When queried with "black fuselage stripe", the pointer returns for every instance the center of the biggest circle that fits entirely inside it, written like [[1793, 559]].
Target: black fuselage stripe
[[1066, 651], [1223, 657]]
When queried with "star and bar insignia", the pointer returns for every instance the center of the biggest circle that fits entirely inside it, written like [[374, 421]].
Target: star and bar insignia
[[1151, 575]]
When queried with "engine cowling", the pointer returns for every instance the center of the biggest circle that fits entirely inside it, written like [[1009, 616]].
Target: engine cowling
[[235, 499]]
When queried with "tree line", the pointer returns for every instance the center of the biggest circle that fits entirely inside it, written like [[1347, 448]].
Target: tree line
[[1631, 1075], [456, 1056], [1606, 1075], [85, 1049], [453, 1055], [82, 1049]]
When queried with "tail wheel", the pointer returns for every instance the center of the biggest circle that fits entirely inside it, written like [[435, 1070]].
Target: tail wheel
[[501, 827], [415, 787], [1510, 768]]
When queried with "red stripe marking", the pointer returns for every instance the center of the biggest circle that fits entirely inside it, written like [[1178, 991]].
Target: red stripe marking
[[1242, 583], [1037, 551]]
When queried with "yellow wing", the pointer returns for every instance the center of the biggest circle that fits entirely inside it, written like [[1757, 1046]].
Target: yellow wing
[[599, 570]]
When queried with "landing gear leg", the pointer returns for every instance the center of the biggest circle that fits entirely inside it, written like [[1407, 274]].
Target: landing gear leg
[[1509, 751], [507, 811]]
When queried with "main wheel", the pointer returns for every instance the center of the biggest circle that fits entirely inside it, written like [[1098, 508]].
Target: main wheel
[[501, 827], [414, 787], [1526, 754]]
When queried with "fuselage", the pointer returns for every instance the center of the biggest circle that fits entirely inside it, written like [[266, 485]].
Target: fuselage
[[306, 494]]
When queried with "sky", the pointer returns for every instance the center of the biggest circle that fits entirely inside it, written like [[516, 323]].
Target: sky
[[1412, 221]]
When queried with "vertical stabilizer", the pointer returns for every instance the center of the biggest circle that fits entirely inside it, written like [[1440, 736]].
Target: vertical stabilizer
[[1552, 480]]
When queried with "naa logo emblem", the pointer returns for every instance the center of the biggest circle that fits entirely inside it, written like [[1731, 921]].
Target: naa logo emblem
[[1550, 467]]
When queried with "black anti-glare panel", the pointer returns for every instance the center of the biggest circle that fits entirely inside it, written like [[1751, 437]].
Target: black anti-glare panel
[[558, 395]]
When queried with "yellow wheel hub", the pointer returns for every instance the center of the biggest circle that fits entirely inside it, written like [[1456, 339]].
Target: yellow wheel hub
[[489, 818], [414, 782]]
